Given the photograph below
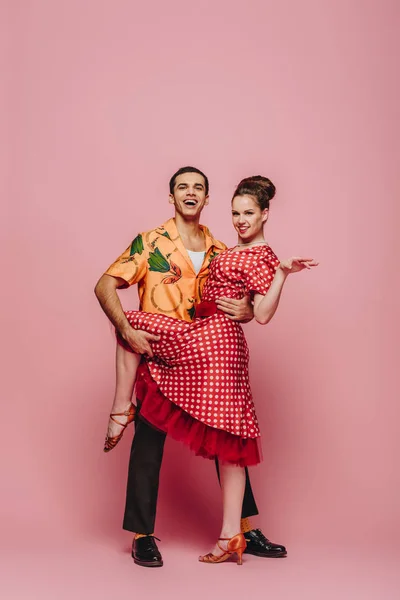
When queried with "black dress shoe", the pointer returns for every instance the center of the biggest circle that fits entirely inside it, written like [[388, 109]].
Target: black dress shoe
[[145, 552], [259, 545]]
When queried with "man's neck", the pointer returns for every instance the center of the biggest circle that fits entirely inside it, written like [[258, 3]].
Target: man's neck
[[191, 234]]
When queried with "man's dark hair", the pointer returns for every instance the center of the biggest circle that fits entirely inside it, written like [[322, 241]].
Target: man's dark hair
[[183, 170]]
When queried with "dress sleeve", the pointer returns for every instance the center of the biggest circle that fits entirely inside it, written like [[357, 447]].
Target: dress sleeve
[[261, 274], [132, 264]]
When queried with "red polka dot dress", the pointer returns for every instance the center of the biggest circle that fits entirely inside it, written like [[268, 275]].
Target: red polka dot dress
[[199, 373]]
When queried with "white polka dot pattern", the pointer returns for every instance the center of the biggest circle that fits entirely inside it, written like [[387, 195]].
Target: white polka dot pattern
[[202, 366], [236, 273]]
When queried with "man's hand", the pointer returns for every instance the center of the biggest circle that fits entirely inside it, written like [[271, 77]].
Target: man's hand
[[139, 340], [236, 310]]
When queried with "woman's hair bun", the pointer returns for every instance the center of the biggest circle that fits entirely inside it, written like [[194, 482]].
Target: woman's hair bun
[[261, 188]]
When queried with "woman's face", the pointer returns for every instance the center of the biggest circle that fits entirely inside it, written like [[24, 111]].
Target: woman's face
[[248, 219]]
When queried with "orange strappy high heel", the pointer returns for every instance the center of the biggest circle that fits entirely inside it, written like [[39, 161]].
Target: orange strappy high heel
[[111, 442], [236, 545]]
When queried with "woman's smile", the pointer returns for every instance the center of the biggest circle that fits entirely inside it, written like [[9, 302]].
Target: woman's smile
[[248, 219]]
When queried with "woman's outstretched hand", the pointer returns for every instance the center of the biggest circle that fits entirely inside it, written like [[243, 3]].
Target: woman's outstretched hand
[[296, 264]]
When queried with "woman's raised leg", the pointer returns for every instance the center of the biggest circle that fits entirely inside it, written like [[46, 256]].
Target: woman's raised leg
[[122, 411]]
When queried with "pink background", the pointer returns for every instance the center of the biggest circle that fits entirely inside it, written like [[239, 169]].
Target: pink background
[[103, 102]]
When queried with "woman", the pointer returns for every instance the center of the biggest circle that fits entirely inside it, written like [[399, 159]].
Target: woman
[[201, 368]]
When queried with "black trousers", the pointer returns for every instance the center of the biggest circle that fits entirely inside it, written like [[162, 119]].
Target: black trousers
[[143, 480]]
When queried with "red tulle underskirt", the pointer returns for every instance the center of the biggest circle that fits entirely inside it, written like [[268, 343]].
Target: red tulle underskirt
[[203, 440]]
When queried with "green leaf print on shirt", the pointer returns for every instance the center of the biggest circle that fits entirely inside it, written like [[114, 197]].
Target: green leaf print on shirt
[[158, 262], [137, 245]]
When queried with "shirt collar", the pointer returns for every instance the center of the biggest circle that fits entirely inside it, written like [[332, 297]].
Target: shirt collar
[[170, 230]]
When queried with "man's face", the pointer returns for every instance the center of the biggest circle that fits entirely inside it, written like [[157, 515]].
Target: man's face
[[189, 197]]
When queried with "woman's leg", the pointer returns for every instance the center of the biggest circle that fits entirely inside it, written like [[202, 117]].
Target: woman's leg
[[233, 480], [128, 361], [126, 364]]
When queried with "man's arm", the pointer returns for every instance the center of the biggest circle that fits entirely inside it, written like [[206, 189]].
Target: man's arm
[[106, 294], [237, 310]]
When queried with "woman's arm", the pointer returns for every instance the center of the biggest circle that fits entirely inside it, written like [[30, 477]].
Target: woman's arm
[[265, 306]]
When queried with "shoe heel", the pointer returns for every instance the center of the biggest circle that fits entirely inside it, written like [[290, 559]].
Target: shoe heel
[[239, 553]]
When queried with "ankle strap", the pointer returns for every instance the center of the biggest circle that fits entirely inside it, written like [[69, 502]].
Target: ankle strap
[[227, 539]]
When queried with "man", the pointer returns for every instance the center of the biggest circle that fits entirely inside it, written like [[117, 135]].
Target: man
[[170, 265]]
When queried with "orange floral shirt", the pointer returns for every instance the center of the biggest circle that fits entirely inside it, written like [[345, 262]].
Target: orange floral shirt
[[160, 265]]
